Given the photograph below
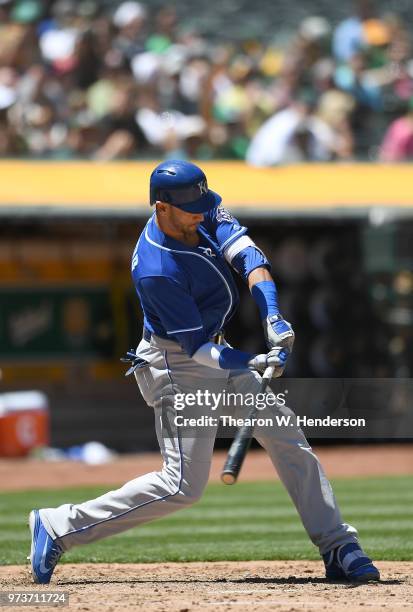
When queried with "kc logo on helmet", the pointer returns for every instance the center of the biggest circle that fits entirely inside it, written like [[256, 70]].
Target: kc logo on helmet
[[203, 187]]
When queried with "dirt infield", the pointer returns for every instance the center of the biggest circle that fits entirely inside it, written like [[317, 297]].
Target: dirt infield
[[345, 461], [174, 587]]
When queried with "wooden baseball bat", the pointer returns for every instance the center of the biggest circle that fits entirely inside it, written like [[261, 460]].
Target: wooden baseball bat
[[242, 440]]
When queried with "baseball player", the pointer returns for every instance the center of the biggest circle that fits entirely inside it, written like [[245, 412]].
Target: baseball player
[[181, 271]]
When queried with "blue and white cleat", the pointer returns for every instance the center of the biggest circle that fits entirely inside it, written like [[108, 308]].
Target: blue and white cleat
[[44, 553], [351, 563]]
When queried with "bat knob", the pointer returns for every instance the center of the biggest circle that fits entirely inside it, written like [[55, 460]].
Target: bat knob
[[228, 478]]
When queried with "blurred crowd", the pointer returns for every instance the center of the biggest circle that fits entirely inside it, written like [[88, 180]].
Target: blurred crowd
[[114, 80]]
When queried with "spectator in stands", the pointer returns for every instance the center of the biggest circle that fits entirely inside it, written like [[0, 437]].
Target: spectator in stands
[[397, 144], [393, 75], [129, 20], [121, 135], [349, 36], [300, 133], [354, 79]]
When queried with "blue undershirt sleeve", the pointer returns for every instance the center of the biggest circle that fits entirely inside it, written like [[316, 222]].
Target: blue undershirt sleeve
[[265, 294], [233, 359]]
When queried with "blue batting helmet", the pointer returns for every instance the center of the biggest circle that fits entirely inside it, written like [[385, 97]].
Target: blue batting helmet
[[184, 185]]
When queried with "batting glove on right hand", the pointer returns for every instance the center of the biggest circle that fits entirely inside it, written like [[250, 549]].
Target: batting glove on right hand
[[277, 357]]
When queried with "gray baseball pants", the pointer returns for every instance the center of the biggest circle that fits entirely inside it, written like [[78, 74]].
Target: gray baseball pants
[[187, 460]]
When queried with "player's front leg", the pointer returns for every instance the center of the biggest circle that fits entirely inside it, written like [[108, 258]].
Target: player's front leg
[[303, 476]]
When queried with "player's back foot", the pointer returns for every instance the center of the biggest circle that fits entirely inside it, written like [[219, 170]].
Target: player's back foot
[[349, 562], [44, 552]]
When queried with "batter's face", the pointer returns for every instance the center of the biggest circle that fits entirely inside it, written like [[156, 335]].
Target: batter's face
[[176, 220]]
